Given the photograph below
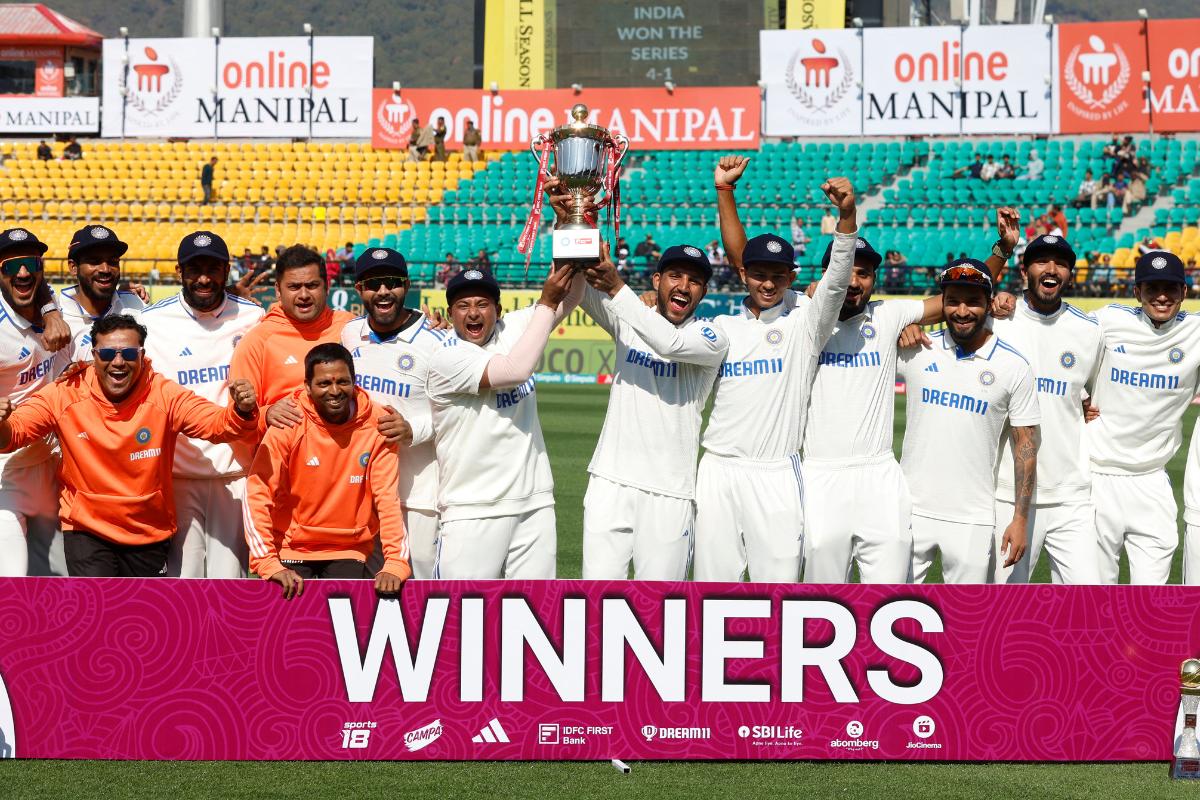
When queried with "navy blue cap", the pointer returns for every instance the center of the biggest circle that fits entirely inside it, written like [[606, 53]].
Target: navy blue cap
[[685, 254], [767, 248], [20, 237], [1049, 245], [91, 236], [472, 279], [862, 252], [966, 272], [202, 243], [380, 258], [1159, 265]]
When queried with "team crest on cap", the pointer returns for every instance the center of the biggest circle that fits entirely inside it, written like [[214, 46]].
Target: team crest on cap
[[987, 378], [1067, 359], [1050, 239], [203, 240], [774, 246], [860, 244], [693, 252], [379, 255], [406, 362], [142, 436], [363, 459], [1175, 356], [774, 336], [473, 275], [18, 235], [868, 331], [1158, 262], [99, 232]]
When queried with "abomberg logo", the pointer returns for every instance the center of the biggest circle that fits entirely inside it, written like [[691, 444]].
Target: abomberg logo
[[394, 119], [8, 733], [1097, 64], [813, 86], [158, 86]]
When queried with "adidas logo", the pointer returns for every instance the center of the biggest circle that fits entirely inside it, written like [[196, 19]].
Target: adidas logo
[[23, 354], [187, 351], [1119, 348], [314, 462], [492, 732], [290, 360], [931, 368], [83, 435]]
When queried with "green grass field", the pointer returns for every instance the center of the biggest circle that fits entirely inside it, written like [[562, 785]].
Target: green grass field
[[571, 419]]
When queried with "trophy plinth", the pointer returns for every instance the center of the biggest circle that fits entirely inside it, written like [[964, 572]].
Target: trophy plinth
[[1186, 762]]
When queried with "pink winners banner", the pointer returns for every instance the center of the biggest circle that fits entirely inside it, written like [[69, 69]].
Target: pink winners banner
[[171, 669]]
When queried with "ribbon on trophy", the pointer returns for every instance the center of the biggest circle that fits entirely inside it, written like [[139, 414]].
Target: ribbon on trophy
[[525, 243], [612, 190]]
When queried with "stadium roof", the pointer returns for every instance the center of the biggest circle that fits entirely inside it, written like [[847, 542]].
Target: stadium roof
[[35, 24]]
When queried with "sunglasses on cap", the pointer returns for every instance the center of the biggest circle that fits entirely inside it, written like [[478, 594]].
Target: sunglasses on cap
[[11, 266], [109, 353], [384, 282], [966, 274]]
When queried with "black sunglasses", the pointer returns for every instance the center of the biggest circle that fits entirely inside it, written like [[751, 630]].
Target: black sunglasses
[[127, 353], [11, 266], [384, 282]]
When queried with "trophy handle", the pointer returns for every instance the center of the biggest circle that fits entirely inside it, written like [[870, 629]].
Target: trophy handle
[[621, 145], [535, 146]]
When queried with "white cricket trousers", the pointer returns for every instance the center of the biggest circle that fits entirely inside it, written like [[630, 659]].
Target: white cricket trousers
[[30, 540], [209, 541], [624, 525], [517, 547], [749, 519], [1139, 513], [1191, 518], [1067, 531], [966, 550], [857, 512], [421, 527]]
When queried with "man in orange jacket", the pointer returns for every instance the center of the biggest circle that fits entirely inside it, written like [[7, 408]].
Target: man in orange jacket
[[117, 421], [319, 491], [271, 355]]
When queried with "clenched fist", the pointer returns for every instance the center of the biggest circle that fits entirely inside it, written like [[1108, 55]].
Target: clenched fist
[[1008, 227], [730, 169], [244, 397], [841, 193], [6, 408]]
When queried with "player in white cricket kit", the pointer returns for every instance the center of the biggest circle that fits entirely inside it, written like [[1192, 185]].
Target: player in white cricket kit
[[961, 393], [191, 341], [639, 506], [1063, 346], [94, 259], [1148, 376], [29, 540], [392, 348], [495, 489], [750, 494]]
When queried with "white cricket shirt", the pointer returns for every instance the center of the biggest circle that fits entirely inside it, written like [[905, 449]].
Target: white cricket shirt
[[394, 371], [1147, 378], [80, 321], [958, 405], [193, 348], [491, 458], [1063, 349], [25, 366], [854, 392], [763, 385], [651, 433]]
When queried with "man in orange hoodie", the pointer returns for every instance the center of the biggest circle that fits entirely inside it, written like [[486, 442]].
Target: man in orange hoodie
[[271, 355], [117, 421], [319, 491]]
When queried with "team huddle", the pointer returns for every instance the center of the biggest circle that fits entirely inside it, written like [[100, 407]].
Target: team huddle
[[202, 437]]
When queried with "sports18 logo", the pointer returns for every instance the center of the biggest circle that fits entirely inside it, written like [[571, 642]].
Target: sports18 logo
[[356, 735]]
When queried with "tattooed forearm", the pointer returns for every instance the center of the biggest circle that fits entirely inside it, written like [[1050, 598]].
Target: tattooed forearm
[[1025, 447]]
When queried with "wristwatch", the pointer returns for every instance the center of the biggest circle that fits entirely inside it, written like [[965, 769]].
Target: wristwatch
[[51, 306], [998, 251]]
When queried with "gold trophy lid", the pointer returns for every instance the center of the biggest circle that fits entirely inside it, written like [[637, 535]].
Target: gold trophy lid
[[579, 127], [1189, 674]]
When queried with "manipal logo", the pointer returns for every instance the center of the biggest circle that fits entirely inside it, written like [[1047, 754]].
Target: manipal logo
[[158, 84], [810, 77], [8, 734], [395, 118], [1097, 67]]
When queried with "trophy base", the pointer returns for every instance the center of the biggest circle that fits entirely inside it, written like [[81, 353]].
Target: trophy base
[[576, 245], [1185, 768]]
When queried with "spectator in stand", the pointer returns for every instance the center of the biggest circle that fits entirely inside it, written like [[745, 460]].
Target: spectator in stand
[[414, 141], [1126, 154], [1110, 149], [722, 273], [648, 251], [1084, 195], [800, 239], [622, 254], [1034, 168], [333, 267], [828, 224], [1138, 176], [206, 179], [472, 138], [896, 265], [1006, 171], [1100, 274], [248, 262], [481, 261], [439, 140], [44, 153], [266, 261], [1147, 244], [971, 170], [425, 141], [73, 151], [989, 169], [1055, 213], [1193, 288], [1120, 192], [449, 268]]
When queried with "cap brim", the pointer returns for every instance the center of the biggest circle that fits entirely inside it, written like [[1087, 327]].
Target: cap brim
[[1033, 252], [122, 248], [687, 262], [217, 254], [359, 274], [485, 289]]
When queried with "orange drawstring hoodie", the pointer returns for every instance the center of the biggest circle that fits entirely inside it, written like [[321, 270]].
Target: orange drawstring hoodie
[[318, 491], [115, 476]]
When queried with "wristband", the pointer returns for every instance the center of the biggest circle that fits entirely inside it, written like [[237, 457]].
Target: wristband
[[51, 306], [724, 187], [998, 251]]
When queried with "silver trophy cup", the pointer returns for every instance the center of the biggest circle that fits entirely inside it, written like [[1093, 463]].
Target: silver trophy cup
[[582, 154]]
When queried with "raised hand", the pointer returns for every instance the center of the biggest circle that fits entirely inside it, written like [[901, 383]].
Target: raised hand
[[730, 169], [841, 193], [603, 276], [1008, 227], [241, 391]]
